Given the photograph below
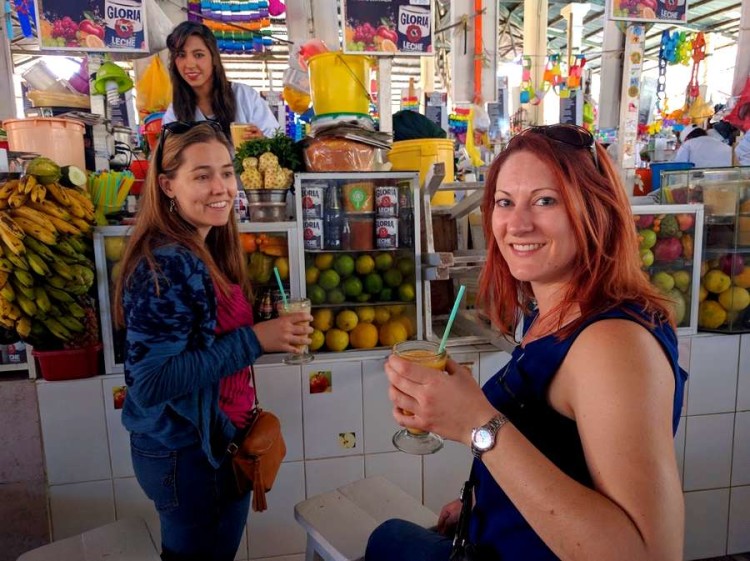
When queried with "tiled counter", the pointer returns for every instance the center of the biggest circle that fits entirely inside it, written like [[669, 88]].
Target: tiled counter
[[343, 435]]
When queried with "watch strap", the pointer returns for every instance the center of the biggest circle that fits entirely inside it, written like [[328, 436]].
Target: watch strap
[[493, 426]]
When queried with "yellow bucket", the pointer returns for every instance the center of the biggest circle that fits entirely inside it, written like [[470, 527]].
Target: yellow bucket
[[339, 83], [411, 155]]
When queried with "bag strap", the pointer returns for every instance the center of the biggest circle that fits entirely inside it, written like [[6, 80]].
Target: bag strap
[[461, 539], [234, 444]]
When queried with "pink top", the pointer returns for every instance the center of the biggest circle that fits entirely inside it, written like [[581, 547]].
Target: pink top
[[236, 393]]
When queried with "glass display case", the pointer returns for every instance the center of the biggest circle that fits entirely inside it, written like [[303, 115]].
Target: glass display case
[[671, 238], [266, 244], [360, 251], [724, 291]]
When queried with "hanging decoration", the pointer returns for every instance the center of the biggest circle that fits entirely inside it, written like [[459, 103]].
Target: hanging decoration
[[239, 27], [26, 13], [554, 77]]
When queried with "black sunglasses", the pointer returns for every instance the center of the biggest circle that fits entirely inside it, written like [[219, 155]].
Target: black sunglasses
[[179, 127], [572, 135]]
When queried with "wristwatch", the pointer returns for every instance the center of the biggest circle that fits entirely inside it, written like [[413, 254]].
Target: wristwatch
[[483, 438]]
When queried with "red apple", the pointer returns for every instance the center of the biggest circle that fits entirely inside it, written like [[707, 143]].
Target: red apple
[[319, 383], [732, 264]]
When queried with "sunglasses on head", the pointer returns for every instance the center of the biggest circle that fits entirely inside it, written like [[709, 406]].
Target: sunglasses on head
[[179, 127], [572, 135]]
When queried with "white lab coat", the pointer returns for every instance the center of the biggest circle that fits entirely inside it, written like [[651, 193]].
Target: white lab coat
[[251, 109], [705, 152], [742, 150]]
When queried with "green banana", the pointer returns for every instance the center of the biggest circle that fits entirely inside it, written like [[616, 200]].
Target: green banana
[[78, 244], [43, 250], [76, 310], [8, 293], [59, 295], [84, 274], [57, 281], [6, 265], [57, 329], [24, 277], [71, 323], [28, 306], [42, 299], [37, 264], [18, 261], [64, 247], [76, 288], [63, 269], [21, 288]]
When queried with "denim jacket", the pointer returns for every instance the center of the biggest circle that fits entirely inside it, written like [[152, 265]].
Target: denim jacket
[[173, 357]]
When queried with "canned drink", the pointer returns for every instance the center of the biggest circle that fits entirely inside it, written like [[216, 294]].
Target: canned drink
[[386, 201], [312, 201], [386, 233], [240, 205], [16, 353], [312, 233]]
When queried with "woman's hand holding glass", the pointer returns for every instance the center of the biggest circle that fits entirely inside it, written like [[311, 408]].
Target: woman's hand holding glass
[[286, 334], [450, 406]]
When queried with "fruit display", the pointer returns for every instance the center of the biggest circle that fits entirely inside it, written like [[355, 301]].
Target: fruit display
[[264, 252], [361, 300], [725, 293], [46, 270], [65, 32], [364, 36], [640, 9], [667, 247]]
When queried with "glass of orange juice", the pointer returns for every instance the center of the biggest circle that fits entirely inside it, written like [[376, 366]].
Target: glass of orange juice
[[426, 353], [292, 306], [238, 132]]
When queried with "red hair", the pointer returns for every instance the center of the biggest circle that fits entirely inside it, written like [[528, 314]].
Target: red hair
[[607, 268]]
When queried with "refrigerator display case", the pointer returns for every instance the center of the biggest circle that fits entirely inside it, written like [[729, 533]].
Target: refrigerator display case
[[724, 291], [360, 252], [671, 238], [266, 244]]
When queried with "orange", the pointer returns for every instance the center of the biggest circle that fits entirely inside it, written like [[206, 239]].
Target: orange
[[392, 333], [364, 336], [249, 245], [94, 42], [407, 323]]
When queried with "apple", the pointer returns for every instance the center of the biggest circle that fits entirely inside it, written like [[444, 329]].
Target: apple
[[92, 28], [647, 257], [663, 280], [319, 383], [732, 264], [647, 238], [118, 396], [644, 220]]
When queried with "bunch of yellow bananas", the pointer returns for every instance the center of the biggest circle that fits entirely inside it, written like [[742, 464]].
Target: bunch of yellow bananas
[[45, 267]]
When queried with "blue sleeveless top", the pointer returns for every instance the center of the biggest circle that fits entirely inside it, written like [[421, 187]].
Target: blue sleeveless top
[[519, 391]]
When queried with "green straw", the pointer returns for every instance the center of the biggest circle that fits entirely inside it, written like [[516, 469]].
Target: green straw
[[281, 286], [452, 317]]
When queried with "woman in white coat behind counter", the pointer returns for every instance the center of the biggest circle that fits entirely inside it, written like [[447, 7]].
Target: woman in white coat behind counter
[[201, 90]]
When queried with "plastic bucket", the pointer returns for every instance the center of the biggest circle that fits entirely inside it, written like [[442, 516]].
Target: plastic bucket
[[419, 155], [61, 140], [338, 83], [69, 365]]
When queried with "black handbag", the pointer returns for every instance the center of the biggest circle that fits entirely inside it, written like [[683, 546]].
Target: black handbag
[[463, 549]]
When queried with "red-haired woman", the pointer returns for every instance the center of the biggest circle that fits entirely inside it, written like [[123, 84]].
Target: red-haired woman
[[573, 439]]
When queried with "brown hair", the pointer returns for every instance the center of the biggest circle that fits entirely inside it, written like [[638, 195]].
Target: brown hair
[[607, 268], [183, 97], [156, 226]]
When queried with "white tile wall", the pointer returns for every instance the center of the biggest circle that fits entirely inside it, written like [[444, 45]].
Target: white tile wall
[[713, 374], [132, 502], [444, 474], [275, 532], [73, 431], [739, 520], [706, 516], [490, 364], [708, 451], [679, 446], [405, 470], [322, 476], [743, 383], [741, 454], [78, 507], [379, 425], [279, 391], [322, 428], [119, 438]]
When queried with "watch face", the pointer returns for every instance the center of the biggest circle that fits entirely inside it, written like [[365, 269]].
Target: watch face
[[483, 439]]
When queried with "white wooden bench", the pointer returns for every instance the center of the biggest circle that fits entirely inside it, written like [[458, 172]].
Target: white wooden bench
[[339, 523], [124, 540]]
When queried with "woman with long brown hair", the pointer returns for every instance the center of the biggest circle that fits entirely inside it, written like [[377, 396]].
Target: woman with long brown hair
[[200, 89], [573, 438], [182, 297]]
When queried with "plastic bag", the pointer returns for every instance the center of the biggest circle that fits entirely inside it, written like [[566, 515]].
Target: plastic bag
[[154, 88], [740, 115]]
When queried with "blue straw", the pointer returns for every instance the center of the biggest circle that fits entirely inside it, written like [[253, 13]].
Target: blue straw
[[281, 286], [452, 317]]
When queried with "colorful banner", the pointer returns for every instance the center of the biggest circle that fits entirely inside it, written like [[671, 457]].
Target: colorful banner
[[92, 25], [379, 27], [651, 11]]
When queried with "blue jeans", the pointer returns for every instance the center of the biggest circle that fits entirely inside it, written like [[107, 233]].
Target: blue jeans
[[201, 518], [399, 540]]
